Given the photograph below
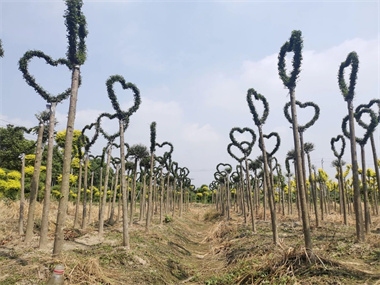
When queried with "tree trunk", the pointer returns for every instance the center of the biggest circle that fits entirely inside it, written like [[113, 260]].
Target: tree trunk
[[122, 186], [62, 208], [367, 216], [91, 195], [302, 192], [249, 192], [100, 190], [133, 195], [376, 166], [355, 176], [78, 195], [84, 212], [22, 196], [104, 198], [143, 198], [270, 188], [34, 185], [343, 193], [313, 191], [49, 168], [112, 215], [149, 210]]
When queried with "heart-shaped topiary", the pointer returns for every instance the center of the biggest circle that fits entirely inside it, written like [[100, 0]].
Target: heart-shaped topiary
[[303, 106], [89, 142], [229, 150], [115, 104], [31, 81], [183, 172], [244, 146], [224, 168], [371, 103], [353, 60], [295, 45], [258, 121], [368, 127], [332, 143], [103, 116], [276, 147]]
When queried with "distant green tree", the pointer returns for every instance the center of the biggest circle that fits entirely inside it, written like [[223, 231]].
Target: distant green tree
[[12, 144]]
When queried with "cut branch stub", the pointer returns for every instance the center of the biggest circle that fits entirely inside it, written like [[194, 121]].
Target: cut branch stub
[[368, 127], [333, 141], [115, 104], [353, 60], [244, 146], [295, 45], [303, 106], [31, 81], [276, 147], [258, 121]]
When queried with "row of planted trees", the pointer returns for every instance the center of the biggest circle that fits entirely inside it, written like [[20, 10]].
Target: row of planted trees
[[161, 186], [261, 183]]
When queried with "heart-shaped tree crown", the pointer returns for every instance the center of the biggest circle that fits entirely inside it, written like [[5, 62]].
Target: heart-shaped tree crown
[[332, 143], [295, 44], [369, 105], [368, 127], [1, 49], [348, 92], [109, 137], [303, 105], [276, 147], [244, 146], [115, 104], [258, 121]]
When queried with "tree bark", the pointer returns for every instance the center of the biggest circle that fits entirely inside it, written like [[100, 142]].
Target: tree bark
[[104, 198], [84, 212], [376, 166], [62, 208], [112, 215], [34, 185], [22, 196], [302, 192], [149, 210], [367, 214], [355, 176], [76, 216]]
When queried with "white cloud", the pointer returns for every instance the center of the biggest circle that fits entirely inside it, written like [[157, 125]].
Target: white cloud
[[196, 134]]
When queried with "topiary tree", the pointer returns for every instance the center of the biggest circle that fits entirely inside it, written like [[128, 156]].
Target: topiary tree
[[245, 148], [152, 150], [259, 122], [362, 142], [338, 165], [348, 93], [295, 45], [308, 148], [75, 22]]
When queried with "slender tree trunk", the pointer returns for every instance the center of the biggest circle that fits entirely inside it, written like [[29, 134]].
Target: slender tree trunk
[[270, 188], [103, 211], [376, 166], [100, 191], [367, 213], [302, 192], [249, 192], [62, 208], [34, 185], [133, 195], [84, 212], [161, 197], [122, 186], [49, 169], [313, 191], [112, 215], [142, 199], [355, 176], [343, 194], [78, 195], [181, 199], [91, 195], [149, 210], [22, 196]]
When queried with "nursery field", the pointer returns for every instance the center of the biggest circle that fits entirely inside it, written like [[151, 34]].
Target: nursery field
[[201, 247]]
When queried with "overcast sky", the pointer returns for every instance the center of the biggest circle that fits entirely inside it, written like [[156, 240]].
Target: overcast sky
[[193, 62]]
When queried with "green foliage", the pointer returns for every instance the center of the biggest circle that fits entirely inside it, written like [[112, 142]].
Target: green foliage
[[168, 219], [276, 147], [115, 104], [1, 49], [333, 141], [258, 121], [152, 137], [10, 184], [353, 60], [12, 145], [303, 105], [31, 81], [75, 22], [295, 44], [245, 146]]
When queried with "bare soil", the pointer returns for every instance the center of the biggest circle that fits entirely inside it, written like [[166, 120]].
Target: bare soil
[[198, 248]]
